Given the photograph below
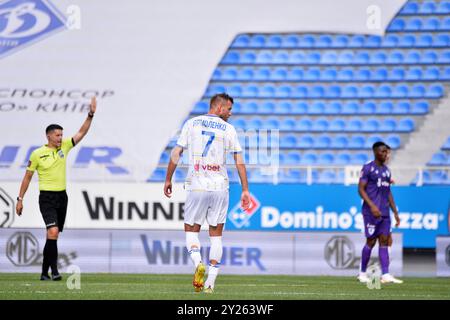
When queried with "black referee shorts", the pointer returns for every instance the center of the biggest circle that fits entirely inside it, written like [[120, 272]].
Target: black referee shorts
[[53, 206]]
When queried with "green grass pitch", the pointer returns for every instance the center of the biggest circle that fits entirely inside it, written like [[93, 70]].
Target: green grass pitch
[[228, 287]]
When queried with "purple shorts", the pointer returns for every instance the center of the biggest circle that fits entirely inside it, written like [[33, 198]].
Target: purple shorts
[[374, 227]]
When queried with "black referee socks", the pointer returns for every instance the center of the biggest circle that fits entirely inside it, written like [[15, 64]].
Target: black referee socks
[[50, 257]]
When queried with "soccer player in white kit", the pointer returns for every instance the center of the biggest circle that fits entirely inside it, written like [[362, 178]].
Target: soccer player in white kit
[[208, 139]]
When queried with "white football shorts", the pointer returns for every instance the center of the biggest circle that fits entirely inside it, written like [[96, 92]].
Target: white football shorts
[[211, 206]]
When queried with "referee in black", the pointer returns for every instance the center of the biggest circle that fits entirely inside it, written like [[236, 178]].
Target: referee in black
[[50, 163]]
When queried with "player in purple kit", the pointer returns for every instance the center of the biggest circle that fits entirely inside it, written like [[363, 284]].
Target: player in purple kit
[[374, 188]]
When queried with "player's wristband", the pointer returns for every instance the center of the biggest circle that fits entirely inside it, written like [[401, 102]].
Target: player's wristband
[[19, 199], [90, 114]]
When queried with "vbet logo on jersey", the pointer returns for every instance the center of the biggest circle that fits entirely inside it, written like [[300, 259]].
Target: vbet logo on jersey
[[23, 22]]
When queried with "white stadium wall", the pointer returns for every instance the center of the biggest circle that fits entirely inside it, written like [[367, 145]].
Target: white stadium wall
[[148, 62]]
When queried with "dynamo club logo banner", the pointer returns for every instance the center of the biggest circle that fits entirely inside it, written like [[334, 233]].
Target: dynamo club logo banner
[[423, 211], [23, 22]]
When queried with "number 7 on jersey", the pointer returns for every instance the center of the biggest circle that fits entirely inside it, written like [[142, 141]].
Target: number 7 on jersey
[[212, 136]]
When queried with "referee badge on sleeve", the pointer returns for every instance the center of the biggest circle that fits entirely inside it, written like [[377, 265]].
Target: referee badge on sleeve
[[61, 154]]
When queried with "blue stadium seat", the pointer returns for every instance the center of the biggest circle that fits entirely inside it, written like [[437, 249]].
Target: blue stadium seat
[[431, 24], [304, 124], [387, 125], [333, 91], [393, 141], [180, 175], [441, 40], [261, 74], [158, 175], [201, 107], [308, 158], [239, 123], [345, 57], [283, 108], [420, 107], [291, 41], [288, 141], [333, 108], [342, 159], [397, 24], [361, 58], [330, 57], [320, 125], [379, 58], [283, 91], [350, 108], [241, 41], [414, 74], [373, 41], [383, 91], [359, 158], [231, 57], [425, 41], [413, 24], [328, 75], [322, 142], [305, 142], [345, 75], [417, 91], [427, 7], [401, 107], [295, 74], [356, 142], [312, 74], [340, 41], [434, 91], [438, 177], [312, 58], [278, 74], [356, 41], [293, 176], [165, 157], [245, 74], [362, 75], [405, 125], [438, 159], [407, 41], [336, 125], [444, 57], [390, 41], [324, 41], [297, 58], [339, 142], [266, 107], [325, 159], [380, 74], [255, 123], [316, 108], [354, 125], [429, 57], [400, 91], [384, 107], [410, 8], [292, 158], [431, 74], [367, 107], [350, 91], [264, 57], [443, 7], [316, 92], [257, 41], [266, 91], [299, 108], [287, 125], [271, 123], [370, 125], [300, 92], [274, 41], [249, 108], [250, 91], [307, 41]]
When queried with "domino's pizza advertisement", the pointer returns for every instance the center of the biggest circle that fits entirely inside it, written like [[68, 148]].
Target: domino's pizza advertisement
[[423, 211]]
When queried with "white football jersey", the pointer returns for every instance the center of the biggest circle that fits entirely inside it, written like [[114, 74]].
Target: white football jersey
[[208, 139]]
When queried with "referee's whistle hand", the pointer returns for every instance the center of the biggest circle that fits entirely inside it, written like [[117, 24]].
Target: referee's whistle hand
[[19, 208]]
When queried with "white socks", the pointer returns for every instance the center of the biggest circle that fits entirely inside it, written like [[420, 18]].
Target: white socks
[[215, 253], [193, 246]]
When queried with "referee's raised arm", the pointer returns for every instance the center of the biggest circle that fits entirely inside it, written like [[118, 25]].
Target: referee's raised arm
[[87, 123]]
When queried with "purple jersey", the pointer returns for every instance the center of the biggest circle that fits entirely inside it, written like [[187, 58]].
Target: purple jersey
[[378, 187]]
